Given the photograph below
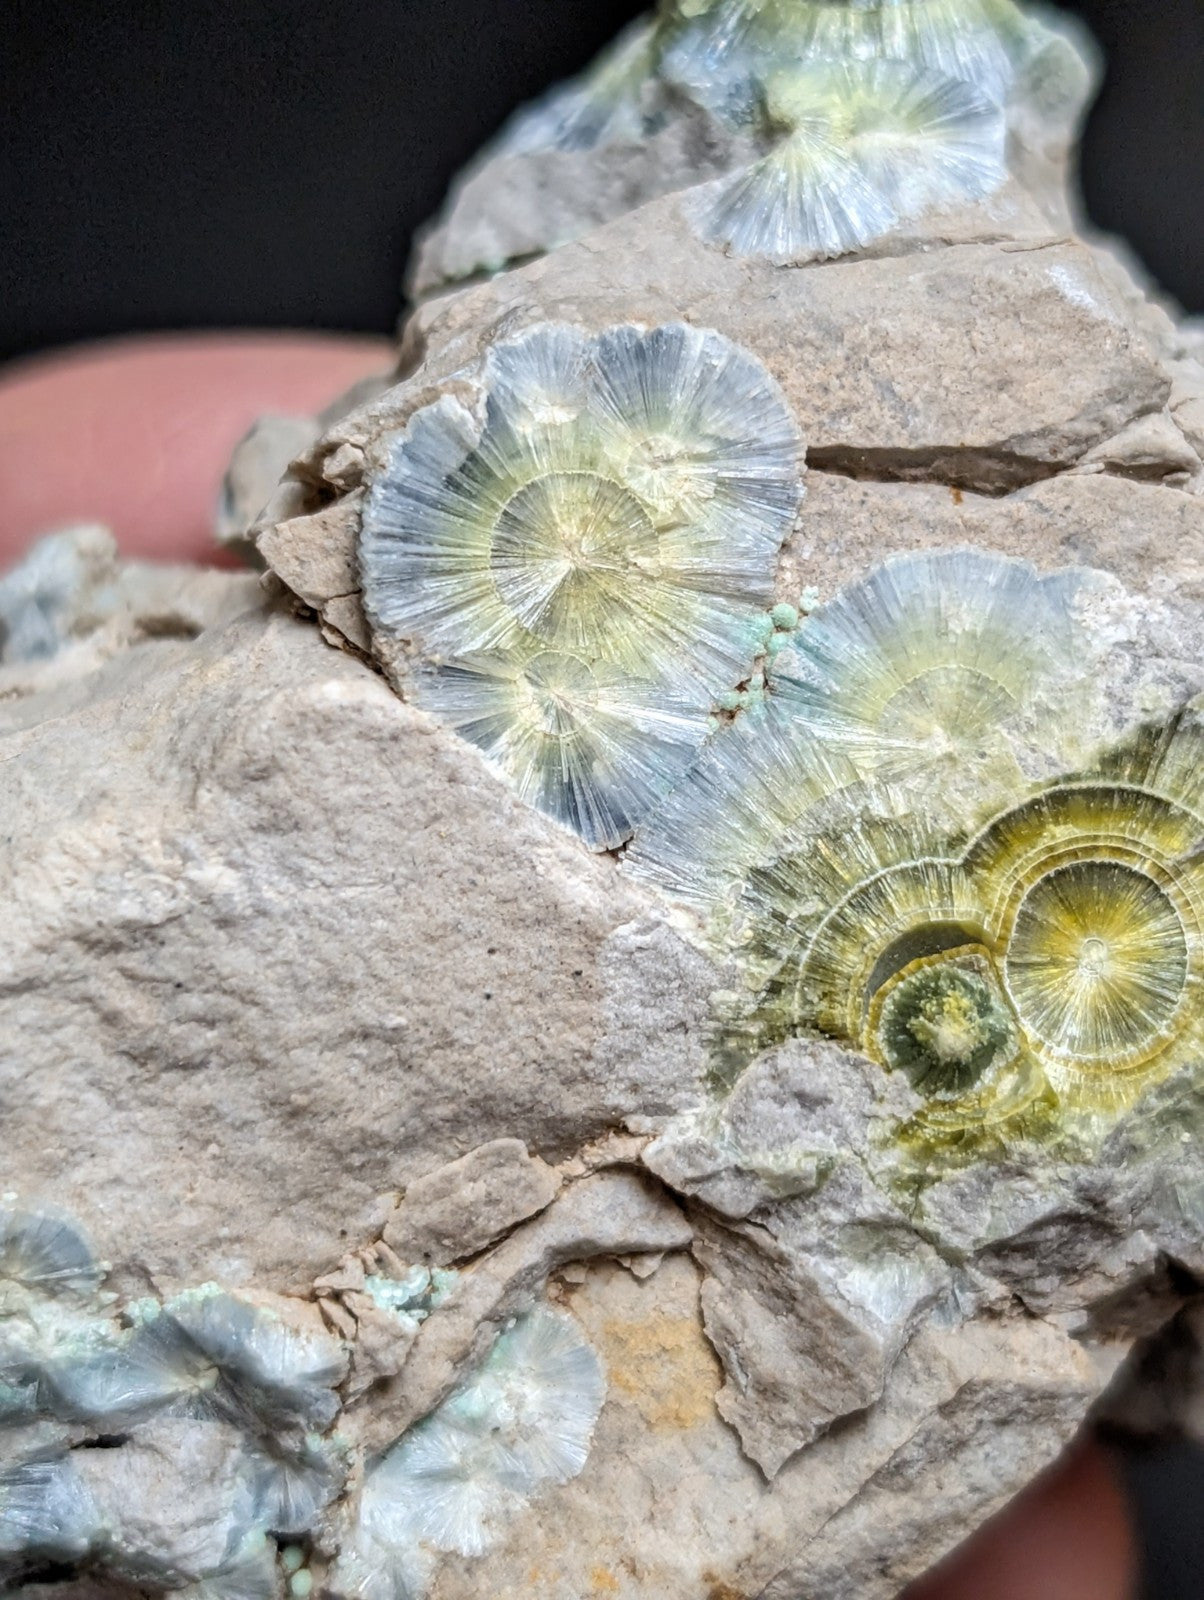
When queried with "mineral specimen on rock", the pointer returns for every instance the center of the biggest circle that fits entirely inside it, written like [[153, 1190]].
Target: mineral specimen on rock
[[72, 598], [685, 1079], [179, 896], [522, 1421], [823, 126], [580, 571]]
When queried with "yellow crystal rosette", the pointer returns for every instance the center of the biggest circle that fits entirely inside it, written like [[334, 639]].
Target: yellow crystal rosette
[[926, 866]]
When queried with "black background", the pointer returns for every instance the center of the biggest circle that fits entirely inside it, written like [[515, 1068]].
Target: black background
[[263, 163], [208, 163]]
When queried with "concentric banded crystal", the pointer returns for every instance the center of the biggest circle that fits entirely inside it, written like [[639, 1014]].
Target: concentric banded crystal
[[577, 572], [1025, 969]]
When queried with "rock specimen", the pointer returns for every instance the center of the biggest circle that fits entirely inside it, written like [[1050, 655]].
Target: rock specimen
[[823, 126], [670, 1062], [587, 569]]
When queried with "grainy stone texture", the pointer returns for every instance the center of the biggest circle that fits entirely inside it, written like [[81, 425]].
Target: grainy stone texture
[[194, 858], [294, 992], [458, 1210]]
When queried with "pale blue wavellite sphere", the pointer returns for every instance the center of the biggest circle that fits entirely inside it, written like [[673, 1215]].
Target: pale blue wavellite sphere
[[573, 574]]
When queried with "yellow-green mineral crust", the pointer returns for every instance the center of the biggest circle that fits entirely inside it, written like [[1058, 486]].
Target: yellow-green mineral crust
[[924, 862]]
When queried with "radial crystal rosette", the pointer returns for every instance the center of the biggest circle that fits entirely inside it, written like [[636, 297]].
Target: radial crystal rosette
[[895, 859], [577, 575], [42, 1253], [952, 668], [165, 1383], [888, 952], [922, 697], [1051, 970], [206, 1355], [1095, 899], [857, 148], [727, 47], [523, 1421], [722, 53], [805, 128]]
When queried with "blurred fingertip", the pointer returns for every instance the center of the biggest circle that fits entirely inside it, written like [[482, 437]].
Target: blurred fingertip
[[1069, 1536], [136, 433]]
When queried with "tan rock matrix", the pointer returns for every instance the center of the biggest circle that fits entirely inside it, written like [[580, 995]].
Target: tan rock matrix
[[629, 1021]]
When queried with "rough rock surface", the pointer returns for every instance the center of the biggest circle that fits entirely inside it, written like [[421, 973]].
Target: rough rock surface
[[192, 855], [298, 996], [456, 1211], [72, 603]]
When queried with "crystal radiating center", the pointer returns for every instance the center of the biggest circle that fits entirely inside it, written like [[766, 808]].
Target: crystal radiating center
[[946, 1025], [1098, 961], [946, 707], [568, 550], [672, 477], [555, 692]]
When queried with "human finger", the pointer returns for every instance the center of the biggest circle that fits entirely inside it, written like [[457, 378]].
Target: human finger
[[136, 433], [1068, 1537]]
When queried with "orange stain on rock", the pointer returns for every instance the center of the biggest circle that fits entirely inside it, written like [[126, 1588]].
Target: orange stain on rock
[[666, 1367]]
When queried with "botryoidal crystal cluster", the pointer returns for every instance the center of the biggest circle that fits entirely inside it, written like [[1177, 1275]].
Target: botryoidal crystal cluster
[[802, 129]]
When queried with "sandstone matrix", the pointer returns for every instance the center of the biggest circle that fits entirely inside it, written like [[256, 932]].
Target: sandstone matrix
[[382, 1099]]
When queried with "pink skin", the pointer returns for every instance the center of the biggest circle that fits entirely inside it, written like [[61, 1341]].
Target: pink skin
[[1068, 1537], [136, 434]]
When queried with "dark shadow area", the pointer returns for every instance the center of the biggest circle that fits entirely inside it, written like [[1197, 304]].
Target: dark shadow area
[[265, 165], [1166, 1483]]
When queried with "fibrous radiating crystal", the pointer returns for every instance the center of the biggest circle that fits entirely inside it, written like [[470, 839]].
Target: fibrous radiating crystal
[[857, 147], [205, 1354], [205, 1372], [46, 1512], [923, 668], [914, 694], [1098, 961], [819, 126], [717, 45], [903, 856], [43, 1253], [577, 571], [522, 1421]]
